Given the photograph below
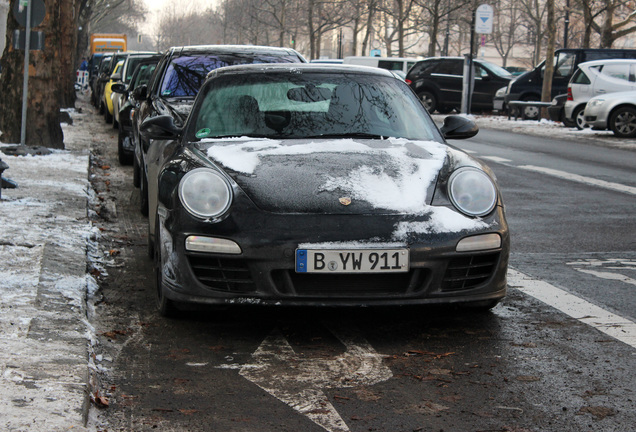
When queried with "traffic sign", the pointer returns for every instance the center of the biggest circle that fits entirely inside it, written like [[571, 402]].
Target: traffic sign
[[483, 19], [38, 12]]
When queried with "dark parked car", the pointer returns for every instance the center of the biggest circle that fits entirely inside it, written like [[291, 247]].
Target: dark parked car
[[556, 111], [97, 86], [176, 81], [130, 63], [141, 75], [528, 86], [438, 83], [319, 185]]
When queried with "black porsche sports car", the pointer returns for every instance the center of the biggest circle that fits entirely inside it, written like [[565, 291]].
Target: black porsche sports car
[[319, 185]]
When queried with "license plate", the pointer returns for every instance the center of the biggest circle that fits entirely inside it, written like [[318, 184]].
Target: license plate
[[352, 261]]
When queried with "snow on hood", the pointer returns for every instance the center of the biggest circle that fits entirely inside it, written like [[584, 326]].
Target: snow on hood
[[398, 180]]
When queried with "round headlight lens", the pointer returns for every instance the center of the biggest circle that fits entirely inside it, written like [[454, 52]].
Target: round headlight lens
[[472, 192], [205, 193]]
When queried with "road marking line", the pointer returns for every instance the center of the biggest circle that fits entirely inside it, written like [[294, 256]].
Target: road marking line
[[609, 276], [607, 322], [581, 179], [496, 159], [299, 380]]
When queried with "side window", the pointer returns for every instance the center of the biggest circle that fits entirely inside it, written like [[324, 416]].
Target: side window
[[390, 64], [564, 66], [580, 78], [480, 71], [618, 71], [450, 67]]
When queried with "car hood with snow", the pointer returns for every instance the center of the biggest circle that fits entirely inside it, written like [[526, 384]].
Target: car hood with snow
[[310, 176]]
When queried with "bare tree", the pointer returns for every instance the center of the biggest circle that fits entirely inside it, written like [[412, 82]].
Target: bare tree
[[506, 34]]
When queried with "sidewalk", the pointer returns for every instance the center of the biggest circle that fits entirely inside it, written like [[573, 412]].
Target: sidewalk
[[44, 333]]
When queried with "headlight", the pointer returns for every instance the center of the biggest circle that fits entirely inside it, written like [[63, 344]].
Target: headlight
[[472, 191], [205, 193], [501, 92], [596, 102]]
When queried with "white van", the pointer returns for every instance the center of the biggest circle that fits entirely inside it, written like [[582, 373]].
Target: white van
[[396, 64], [595, 78]]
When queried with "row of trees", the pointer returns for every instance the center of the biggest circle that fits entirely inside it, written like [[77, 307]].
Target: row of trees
[[399, 27]]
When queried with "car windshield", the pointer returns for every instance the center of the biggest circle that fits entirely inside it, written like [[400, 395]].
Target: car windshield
[[309, 105], [143, 75], [186, 74], [497, 70]]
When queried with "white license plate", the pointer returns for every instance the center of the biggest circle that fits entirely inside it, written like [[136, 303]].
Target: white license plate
[[352, 261]]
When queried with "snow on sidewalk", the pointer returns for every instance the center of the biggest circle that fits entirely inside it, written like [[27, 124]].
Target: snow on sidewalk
[[44, 334]]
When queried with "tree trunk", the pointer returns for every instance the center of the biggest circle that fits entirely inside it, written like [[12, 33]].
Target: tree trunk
[[43, 105], [68, 18], [546, 91]]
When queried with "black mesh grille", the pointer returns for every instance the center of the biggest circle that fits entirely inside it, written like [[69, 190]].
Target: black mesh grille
[[469, 272], [230, 275], [349, 285]]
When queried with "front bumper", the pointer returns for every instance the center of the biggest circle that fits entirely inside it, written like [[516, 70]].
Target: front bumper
[[264, 273]]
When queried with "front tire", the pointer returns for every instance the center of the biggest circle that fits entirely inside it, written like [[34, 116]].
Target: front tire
[[530, 112], [623, 122], [143, 192], [165, 306], [429, 100]]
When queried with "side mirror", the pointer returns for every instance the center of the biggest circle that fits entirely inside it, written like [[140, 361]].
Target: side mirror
[[119, 88], [141, 93], [458, 127], [160, 128]]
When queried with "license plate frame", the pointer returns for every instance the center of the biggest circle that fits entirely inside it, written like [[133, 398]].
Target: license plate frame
[[351, 261]]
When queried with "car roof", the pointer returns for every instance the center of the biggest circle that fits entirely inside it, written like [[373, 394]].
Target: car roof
[[606, 61], [300, 67], [229, 49]]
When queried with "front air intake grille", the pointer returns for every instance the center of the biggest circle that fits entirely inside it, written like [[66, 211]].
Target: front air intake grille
[[231, 275], [469, 271], [349, 285]]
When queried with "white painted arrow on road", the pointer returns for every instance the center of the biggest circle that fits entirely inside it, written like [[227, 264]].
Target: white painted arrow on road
[[299, 381]]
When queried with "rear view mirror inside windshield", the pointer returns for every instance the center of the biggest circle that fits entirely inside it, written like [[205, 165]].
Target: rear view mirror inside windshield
[[309, 93]]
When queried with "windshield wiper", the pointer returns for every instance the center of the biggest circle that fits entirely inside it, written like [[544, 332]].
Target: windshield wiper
[[237, 136], [349, 135]]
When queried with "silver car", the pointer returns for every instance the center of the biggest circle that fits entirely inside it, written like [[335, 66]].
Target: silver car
[[614, 111]]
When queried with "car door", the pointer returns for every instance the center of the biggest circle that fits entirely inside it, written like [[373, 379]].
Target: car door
[[486, 85], [448, 76]]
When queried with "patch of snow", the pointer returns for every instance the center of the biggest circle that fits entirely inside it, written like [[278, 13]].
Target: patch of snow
[[442, 220]]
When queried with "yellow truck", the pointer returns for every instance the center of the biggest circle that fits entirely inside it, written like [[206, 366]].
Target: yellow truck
[[108, 42]]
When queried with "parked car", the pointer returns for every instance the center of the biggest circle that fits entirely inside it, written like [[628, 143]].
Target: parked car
[[129, 104], [98, 83], [594, 78], [400, 64], [115, 77], [130, 62], [319, 185], [528, 86], [614, 111], [104, 77], [176, 81], [438, 82], [556, 111]]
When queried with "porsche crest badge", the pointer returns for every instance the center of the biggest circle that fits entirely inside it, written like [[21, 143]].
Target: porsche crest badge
[[345, 201]]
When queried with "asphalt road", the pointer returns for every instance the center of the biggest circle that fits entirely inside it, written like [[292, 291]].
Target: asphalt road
[[571, 209], [525, 366]]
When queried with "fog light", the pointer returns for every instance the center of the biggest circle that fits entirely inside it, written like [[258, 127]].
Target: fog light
[[211, 245], [479, 243]]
